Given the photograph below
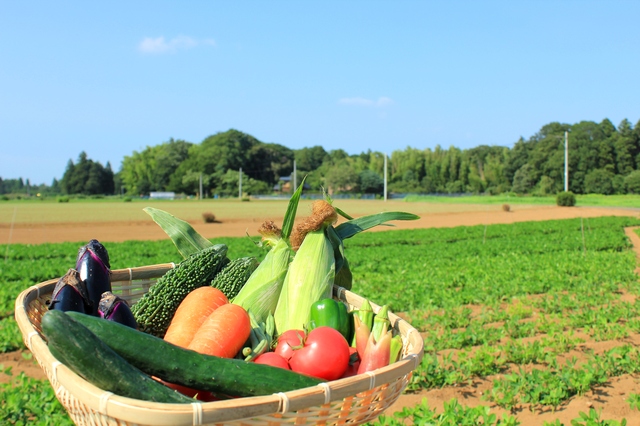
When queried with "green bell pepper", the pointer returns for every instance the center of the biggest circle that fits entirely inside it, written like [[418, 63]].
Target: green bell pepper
[[332, 313]]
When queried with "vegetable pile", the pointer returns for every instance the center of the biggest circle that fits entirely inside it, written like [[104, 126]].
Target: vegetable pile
[[216, 327]]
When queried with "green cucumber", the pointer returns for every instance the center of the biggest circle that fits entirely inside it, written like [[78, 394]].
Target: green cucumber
[[185, 367], [84, 353]]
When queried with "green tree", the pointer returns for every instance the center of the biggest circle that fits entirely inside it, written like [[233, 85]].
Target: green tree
[[546, 186], [523, 180], [433, 181], [371, 182], [229, 185], [341, 178], [11, 186], [107, 180], [268, 162], [93, 184], [632, 182], [626, 148], [166, 159], [599, 181], [77, 175], [518, 157], [139, 171], [87, 177], [309, 159], [584, 153], [407, 167], [606, 146]]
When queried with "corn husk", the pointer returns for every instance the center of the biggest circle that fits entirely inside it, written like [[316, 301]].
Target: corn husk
[[309, 278], [186, 239], [262, 290], [312, 271], [260, 293]]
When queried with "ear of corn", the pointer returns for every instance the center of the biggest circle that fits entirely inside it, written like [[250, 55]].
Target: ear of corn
[[260, 293], [310, 278]]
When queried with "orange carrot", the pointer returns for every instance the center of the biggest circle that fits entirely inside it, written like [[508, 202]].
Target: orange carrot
[[192, 312], [224, 332]]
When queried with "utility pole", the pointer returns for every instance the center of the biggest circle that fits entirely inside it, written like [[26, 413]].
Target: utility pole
[[295, 177], [385, 177], [200, 186], [240, 185], [566, 161]]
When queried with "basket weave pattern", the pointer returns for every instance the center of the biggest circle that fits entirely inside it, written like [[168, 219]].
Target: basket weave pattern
[[348, 401]]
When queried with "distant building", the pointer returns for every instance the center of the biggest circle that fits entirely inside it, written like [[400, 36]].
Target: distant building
[[283, 185], [162, 195]]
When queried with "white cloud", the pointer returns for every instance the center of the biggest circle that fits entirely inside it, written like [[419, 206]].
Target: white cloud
[[160, 45], [380, 102]]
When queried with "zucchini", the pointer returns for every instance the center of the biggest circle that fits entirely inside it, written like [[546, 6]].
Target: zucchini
[[84, 353], [234, 377]]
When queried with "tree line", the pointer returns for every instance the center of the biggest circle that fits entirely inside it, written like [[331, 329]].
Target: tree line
[[603, 159]]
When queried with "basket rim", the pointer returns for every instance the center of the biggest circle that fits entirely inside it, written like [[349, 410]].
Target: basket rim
[[198, 412]]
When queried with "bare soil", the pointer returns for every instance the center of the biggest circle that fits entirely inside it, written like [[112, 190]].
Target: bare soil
[[38, 232], [610, 399]]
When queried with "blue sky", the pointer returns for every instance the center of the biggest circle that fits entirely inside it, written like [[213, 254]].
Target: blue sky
[[111, 78]]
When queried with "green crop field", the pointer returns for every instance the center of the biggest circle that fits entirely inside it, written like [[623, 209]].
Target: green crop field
[[492, 302], [628, 200]]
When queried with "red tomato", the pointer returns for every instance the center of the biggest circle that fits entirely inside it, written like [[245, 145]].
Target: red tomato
[[325, 354], [289, 341], [272, 359]]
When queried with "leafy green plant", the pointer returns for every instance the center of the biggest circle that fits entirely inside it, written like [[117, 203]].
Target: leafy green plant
[[454, 414], [634, 401], [566, 199], [29, 401], [473, 294], [593, 419]]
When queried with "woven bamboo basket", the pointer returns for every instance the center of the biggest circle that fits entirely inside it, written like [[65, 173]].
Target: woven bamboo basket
[[351, 401]]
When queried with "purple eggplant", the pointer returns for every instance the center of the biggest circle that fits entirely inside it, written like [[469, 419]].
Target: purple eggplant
[[70, 294], [98, 249], [93, 265], [114, 308]]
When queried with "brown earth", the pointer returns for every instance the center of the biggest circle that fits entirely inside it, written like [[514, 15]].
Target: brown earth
[[609, 399], [42, 232]]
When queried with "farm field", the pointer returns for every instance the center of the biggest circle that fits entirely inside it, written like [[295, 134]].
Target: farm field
[[530, 320], [37, 222]]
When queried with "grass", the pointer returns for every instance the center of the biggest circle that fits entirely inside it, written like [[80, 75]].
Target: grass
[[597, 200], [29, 401]]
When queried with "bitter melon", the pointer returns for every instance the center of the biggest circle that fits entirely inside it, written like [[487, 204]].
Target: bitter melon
[[154, 311]]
